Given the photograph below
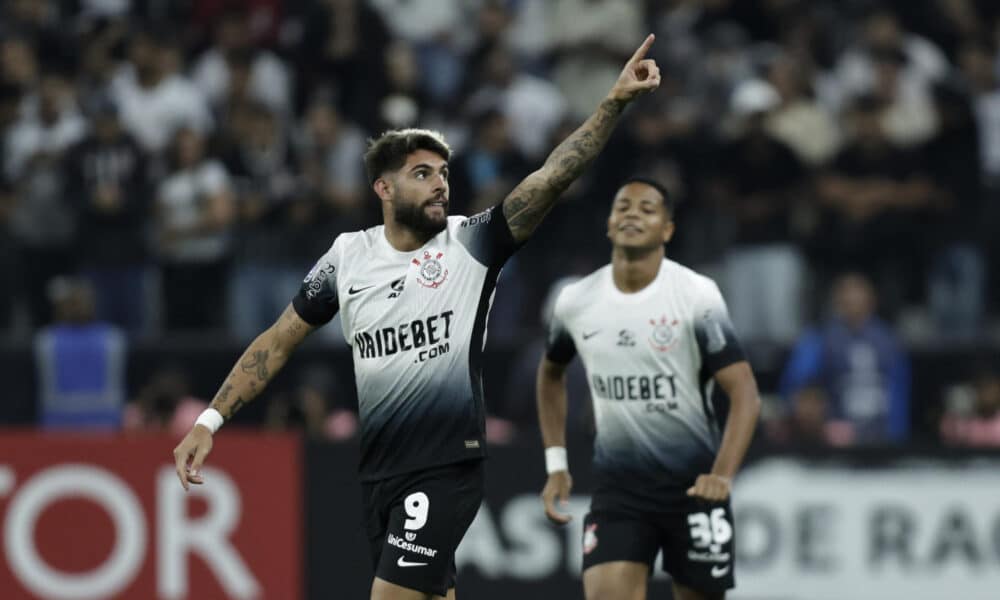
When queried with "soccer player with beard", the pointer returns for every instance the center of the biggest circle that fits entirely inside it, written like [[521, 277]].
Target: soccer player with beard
[[655, 338], [414, 295]]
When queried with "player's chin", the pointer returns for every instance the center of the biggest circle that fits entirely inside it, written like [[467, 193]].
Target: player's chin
[[434, 221], [633, 241], [436, 212]]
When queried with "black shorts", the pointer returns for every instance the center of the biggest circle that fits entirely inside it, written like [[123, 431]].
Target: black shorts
[[415, 521], [697, 542]]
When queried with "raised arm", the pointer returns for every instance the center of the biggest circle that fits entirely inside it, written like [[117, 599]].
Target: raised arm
[[260, 362], [531, 200]]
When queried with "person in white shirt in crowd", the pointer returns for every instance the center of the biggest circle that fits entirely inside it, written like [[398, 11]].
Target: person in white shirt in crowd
[[195, 210], [269, 79], [155, 100], [532, 105], [590, 39]]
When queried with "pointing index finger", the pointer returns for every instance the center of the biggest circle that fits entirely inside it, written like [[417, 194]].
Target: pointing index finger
[[180, 462], [641, 52]]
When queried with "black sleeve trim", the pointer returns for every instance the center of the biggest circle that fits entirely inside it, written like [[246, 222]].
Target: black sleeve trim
[[717, 343], [488, 238], [716, 362], [559, 346], [503, 239], [313, 312]]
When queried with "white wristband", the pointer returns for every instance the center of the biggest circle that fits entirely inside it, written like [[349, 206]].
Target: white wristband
[[210, 418], [555, 460]]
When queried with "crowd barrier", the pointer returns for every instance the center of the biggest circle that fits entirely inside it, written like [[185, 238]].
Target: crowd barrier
[[91, 516]]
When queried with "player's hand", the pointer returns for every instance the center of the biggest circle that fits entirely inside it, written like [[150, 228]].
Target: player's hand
[[557, 487], [714, 488], [640, 75], [193, 449]]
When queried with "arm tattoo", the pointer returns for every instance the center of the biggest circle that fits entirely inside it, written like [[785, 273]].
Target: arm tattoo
[[256, 364], [236, 406], [219, 403], [224, 392], [531, 200]]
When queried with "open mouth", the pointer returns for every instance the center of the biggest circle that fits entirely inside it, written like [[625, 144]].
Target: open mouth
[[438, 203], [629, 228]]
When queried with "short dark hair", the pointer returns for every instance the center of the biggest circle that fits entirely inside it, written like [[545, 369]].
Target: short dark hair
[[668, 200], [388, 151]]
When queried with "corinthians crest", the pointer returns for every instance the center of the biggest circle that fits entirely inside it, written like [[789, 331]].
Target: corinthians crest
[[664, 334], [432, 272]]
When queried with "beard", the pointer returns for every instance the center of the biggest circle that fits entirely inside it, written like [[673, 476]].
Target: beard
[[414, 216]]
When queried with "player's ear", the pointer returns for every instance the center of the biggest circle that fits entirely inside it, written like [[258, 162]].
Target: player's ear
[[610, 234], [668, 231], [383, 188]]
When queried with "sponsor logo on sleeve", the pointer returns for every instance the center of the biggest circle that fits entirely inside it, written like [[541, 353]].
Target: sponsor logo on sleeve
[[714, 332], [317, 277], [478, 219]]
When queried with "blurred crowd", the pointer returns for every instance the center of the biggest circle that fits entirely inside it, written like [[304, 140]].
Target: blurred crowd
[[176, 166]]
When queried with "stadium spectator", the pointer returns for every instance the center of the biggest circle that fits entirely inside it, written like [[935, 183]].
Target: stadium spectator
[[99, 60], [195, 209], [979, 423], [233, 55], [43, 221], [758, 184], [870, 197], [264, 170], [908, 115], [343, 52], [880, 35], [155, 100], [799, 120], [80, 363], [316, 405], [164, 403], [806, 423], [403, 102], [590, 40], [18, 65], [109, 174], [488, 167], [329, 145], [533, 106], [956, 273], [860, 364], [50, 122], [432, 27]]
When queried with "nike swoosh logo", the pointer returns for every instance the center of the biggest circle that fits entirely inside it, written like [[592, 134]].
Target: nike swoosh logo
[[718, 571], [587, 336], [353, 291], [405, 563]]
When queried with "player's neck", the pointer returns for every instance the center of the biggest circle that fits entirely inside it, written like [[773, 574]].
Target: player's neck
[[634, 269], [403, 238]]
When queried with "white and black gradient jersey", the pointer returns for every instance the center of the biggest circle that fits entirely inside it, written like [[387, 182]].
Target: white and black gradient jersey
[[416, 323], [650, 357]]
